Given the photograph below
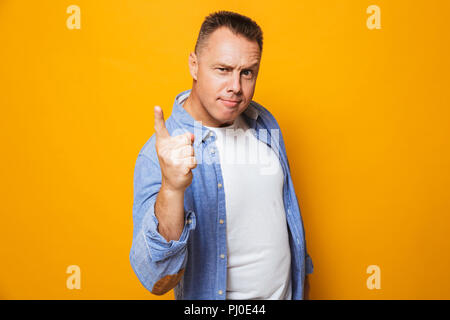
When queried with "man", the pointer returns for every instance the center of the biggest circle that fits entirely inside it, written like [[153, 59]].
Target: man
[[205, 225]]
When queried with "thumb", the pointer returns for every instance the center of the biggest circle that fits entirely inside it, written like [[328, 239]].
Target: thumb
[[160, 125]]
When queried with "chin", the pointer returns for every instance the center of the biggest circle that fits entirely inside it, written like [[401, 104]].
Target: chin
[[228, 116]]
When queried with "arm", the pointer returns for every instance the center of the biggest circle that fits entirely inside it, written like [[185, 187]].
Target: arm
[[169, 208], [157, 260], [161, 224]]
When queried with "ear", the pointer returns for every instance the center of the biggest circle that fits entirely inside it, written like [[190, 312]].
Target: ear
[[193, 65]]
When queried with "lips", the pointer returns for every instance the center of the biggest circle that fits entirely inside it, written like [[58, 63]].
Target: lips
[[230, 103]]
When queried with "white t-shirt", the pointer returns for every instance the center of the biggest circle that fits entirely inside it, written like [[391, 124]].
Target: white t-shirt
[[258, 252]]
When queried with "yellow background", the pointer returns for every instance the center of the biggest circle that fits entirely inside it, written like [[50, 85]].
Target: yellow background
[[365, 115]]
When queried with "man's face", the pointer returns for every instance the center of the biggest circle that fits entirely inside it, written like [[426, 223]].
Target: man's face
[[227, 68]]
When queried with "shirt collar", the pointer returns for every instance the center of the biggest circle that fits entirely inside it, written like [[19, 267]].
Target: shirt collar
[[183, 118]]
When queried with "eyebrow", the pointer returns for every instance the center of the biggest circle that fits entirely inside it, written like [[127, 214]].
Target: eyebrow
[[229, 66]]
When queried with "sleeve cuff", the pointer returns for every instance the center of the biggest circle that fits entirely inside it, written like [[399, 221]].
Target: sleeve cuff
[[158, 246], [309, 264]]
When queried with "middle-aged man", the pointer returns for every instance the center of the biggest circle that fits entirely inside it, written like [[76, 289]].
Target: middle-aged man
[[205, 224]]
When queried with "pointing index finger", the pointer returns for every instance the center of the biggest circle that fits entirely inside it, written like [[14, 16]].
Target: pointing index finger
[[160, 125]]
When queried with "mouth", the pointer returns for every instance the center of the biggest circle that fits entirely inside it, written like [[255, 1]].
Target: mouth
[[230, 103]]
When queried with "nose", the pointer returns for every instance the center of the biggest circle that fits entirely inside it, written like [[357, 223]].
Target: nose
[[235, 83]]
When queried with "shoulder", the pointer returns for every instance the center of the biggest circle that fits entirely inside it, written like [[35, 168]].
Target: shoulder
[[267, 119], [264, 114]]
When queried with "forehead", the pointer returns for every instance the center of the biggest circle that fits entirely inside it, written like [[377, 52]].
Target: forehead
[[225, 46]]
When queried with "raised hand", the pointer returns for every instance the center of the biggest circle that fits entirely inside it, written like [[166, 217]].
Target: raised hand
[[176, 155]]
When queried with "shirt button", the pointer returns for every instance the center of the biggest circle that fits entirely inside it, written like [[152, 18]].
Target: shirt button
[[222, 256], [213, 151], [219, 185], [220, 292], [189, 221], [221, 221]]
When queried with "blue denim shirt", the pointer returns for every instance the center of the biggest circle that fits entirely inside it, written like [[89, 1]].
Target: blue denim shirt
[[199, 251]]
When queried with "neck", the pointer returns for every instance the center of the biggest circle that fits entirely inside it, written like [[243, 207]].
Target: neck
[[198, 112]]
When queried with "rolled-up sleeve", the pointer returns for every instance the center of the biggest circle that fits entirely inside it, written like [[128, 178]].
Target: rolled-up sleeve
[[158, 247], [159, 264]]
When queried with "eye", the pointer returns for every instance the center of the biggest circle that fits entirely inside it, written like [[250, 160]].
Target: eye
[[222, 69], [249, 72]]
